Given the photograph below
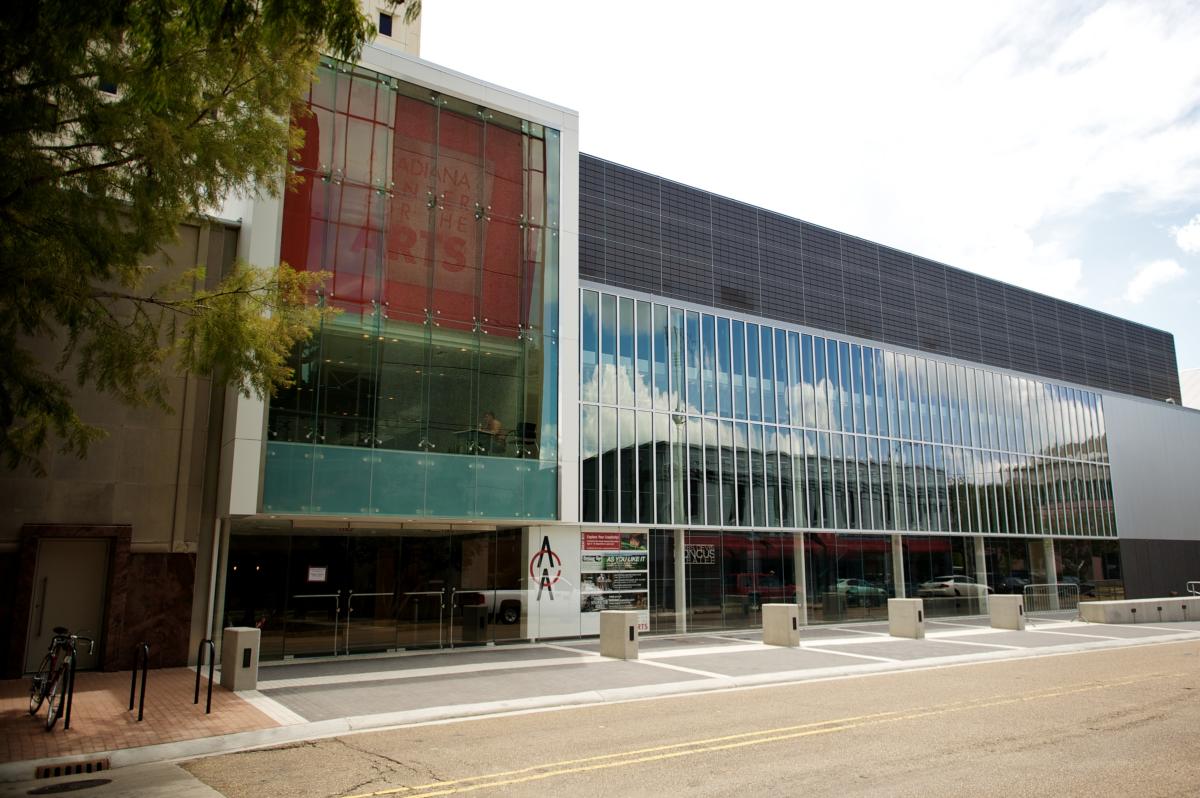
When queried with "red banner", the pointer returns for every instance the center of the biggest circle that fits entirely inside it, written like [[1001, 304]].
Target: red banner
[[601, 541], [460, 259]]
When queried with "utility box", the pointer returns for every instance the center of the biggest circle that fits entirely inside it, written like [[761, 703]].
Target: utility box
[[906, 618], [1007, 612], [475, 624], [239, 657], [618, 634], [781, 625]]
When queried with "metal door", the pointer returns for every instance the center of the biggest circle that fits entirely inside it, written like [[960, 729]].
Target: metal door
[[68, 590]]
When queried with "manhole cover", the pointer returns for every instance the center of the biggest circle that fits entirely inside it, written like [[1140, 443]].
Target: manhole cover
[[69, 786]]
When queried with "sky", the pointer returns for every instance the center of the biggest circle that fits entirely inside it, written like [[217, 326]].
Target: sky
[[1055, 146]]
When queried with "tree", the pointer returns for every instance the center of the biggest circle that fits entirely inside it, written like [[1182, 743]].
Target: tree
[[120, 120]]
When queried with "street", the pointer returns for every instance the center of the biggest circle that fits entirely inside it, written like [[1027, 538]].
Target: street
[[1118, 722]]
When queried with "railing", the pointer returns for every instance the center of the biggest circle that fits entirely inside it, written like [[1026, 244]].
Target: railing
[[212, 661], [350, 597], [489, 603], [337, 611], [142, 654], [1194, 588], [1051, 598], [415, 597]]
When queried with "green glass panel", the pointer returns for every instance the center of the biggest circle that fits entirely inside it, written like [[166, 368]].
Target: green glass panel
[[541, 491], [398, 483], [287, 484], [450, 485], [342, 479], [501, 486]]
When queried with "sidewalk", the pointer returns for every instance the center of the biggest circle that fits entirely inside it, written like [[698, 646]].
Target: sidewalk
[[313, 699], [101, 722]]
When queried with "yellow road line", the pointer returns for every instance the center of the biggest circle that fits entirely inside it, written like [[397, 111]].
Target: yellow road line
[[727, 742]]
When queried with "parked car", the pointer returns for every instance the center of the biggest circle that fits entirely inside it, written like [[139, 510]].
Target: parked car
[[956, 585], [1012, 584], [504, 606], [861, 593], [1087, 589], [758, 589]]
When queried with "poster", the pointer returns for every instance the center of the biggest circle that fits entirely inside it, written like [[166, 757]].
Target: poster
[[614, 575], [316, 573]]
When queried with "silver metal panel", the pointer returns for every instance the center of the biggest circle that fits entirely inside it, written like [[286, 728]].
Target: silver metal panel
[[1154, 448]]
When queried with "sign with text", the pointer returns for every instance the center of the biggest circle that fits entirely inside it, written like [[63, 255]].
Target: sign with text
[[699, 554], [614, 575]]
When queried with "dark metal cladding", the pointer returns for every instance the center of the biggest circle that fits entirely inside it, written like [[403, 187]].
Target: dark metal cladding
[[645, 233]]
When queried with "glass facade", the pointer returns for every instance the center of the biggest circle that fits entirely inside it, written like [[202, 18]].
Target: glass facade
[[723, 422], [433, 392], [730, 574], [320, 592]]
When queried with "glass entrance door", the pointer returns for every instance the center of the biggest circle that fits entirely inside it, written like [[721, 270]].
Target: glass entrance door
[[316, 612], [321, 593], [422, 589], [369, 588], [485, 602]]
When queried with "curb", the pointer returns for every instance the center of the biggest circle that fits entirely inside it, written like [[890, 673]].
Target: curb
[[316, 730]]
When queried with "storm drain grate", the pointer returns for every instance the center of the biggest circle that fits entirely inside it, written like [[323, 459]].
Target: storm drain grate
[[71, 768], [69, 786]]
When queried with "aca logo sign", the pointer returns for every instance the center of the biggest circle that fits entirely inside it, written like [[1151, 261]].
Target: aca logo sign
[[550, 565]]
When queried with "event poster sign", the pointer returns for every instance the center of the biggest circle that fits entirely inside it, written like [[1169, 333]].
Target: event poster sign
[[614, 574]]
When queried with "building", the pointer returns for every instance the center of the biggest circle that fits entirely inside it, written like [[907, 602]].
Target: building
[[558, 385], [1189, 380], [393, 28], [110, 544]]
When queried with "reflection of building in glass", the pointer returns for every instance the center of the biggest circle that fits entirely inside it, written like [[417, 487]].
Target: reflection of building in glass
[[806, 432]]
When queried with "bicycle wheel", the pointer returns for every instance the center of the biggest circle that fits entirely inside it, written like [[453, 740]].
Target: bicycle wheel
[[55, 695], [37, 687]]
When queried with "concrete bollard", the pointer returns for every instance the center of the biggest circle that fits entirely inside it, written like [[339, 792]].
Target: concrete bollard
[[1007, 612], [781, 625], [239, 657], [906, 618], [618, 634]]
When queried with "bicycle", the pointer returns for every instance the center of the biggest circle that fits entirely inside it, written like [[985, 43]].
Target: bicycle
[[50, 681]]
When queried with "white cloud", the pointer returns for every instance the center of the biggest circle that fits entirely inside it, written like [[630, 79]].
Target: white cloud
[[1188, 236], [1150, 277], [961, 132]]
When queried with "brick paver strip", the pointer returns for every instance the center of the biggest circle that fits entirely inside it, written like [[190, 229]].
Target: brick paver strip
[[100, 720]]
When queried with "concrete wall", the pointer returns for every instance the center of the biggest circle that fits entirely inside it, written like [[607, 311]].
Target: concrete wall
[[149, 472], [405, 37], [1154, 448], [154, 475]]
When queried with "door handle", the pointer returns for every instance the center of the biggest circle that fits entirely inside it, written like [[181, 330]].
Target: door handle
[[42, 605]]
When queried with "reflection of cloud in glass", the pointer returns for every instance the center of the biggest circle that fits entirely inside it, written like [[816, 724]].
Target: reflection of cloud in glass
[[1014, 413]]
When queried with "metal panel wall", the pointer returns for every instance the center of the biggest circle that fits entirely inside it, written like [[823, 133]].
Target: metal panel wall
[[1154, 449]]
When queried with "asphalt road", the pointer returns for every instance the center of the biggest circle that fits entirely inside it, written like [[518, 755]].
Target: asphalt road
[[1105, 723]]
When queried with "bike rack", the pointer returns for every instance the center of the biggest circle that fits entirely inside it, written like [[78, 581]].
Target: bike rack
[[142, 653], [212, 661]]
